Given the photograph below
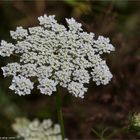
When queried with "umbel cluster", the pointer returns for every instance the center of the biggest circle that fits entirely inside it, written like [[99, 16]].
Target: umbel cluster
[[56, 55]]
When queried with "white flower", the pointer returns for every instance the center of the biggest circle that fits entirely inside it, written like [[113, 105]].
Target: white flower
[[73, 25], [87, 37], [35, 130], [11, 69], [63, 76], [136, 120], [28, 70], [82, 76], [23, 46], [47, 21], [36, 30], [77, 89], [56, 55], [44, 71], [21, 85], [20, 33], [6, 49], [101, 74], [47, 86], [103, 46]]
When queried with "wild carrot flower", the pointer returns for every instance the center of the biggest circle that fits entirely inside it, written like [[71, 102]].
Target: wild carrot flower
[[35, 130], [134, 120], [56, 55], [134, 123]]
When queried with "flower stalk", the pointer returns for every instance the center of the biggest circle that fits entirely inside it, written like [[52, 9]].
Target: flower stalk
[[59, 113]]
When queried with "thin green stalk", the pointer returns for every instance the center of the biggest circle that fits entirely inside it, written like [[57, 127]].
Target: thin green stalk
[[123, 129], [59, 113], [98, 134]]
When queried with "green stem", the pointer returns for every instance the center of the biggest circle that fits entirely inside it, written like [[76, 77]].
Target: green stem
[[98, 134], [59, 113], [117, 131]]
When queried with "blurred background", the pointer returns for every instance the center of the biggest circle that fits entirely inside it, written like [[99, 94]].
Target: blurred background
[[103, 106]]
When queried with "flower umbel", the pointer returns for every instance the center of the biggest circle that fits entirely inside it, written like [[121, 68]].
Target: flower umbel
[[134, 121], [35, 130], [56, 55]]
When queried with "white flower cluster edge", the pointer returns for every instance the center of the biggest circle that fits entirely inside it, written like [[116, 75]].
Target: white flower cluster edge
[[136, 120], [56, 55], [36, 130]]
